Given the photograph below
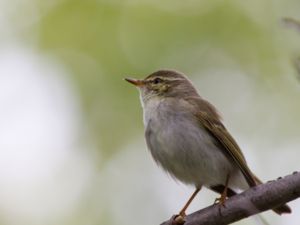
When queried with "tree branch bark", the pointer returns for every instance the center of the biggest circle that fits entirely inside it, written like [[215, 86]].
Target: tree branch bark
[[254, 200]]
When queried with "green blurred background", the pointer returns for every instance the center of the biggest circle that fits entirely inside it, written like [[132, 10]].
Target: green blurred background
[[71, 135]]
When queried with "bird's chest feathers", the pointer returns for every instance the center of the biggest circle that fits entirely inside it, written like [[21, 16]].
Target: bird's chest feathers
[[160, 121], [181, 145], [151, 111], [170, 129]]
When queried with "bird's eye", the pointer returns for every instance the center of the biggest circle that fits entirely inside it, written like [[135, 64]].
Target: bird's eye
[[157, 81]]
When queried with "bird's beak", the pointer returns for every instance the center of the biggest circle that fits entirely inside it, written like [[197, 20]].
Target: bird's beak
[[135, 82]]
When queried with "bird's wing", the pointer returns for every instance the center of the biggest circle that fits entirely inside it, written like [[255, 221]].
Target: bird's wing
[[208, 117]]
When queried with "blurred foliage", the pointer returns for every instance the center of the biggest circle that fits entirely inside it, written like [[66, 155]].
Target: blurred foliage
[[101, 42]]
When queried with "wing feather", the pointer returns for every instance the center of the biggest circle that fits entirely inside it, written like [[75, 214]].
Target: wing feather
[[210, 120]]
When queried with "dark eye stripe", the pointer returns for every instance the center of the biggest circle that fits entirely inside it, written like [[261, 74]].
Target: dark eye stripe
[[157, 80]]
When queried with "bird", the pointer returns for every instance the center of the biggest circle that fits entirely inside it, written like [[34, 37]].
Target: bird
[[186, 138]]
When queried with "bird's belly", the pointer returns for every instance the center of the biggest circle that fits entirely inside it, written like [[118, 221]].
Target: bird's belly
[[188, 152]]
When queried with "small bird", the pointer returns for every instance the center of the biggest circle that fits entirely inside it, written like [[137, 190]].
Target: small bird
[[186, 137]]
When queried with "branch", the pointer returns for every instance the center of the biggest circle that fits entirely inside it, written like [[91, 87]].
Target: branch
[[255, 200], [292, 23]]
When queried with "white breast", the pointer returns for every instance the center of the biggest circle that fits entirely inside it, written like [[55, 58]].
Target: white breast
[[182, 147]]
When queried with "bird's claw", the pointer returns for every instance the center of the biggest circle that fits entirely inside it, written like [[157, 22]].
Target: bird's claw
[[220, 201], [178, 219]]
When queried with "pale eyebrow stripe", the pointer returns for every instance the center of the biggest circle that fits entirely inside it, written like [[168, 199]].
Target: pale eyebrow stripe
[[166, 78]]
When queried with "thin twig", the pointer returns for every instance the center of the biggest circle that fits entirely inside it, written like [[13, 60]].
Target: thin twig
[[291, 23]]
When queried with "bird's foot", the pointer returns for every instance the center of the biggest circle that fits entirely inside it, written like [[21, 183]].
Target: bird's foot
[[178, 219], [221, 200]]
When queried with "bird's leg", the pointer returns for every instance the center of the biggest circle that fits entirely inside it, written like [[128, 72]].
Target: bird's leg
[[221, 200], [179, 219], [182, 211]]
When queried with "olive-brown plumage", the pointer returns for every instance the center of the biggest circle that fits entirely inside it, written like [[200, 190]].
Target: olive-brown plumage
[[186, 137]]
